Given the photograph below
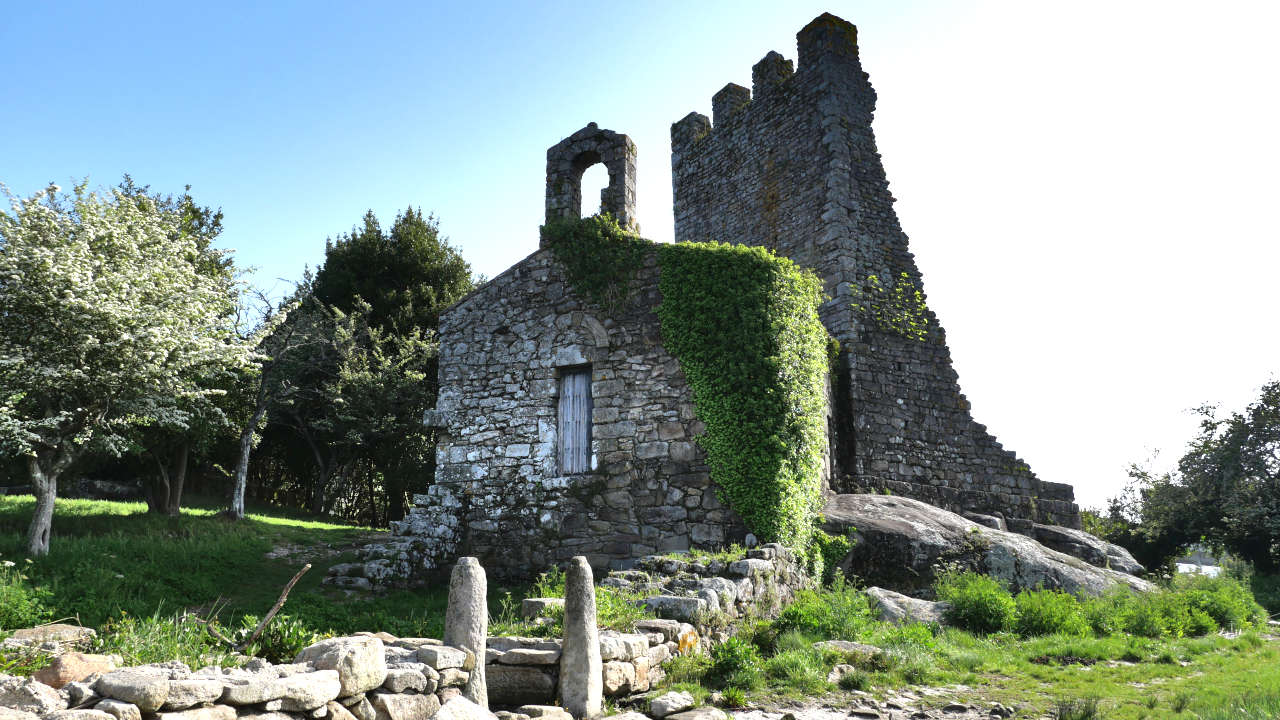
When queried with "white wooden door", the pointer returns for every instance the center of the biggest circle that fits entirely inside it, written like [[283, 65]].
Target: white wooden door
[[574, 427]]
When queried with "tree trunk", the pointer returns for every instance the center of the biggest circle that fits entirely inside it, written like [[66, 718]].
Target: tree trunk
[[396, 486], [323, 468], [158, 492], [236, 510], [179, 478], [44, 472], [318, 492], [45, 487]]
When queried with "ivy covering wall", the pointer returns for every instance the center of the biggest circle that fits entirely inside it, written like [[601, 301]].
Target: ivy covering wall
[[743, 323]]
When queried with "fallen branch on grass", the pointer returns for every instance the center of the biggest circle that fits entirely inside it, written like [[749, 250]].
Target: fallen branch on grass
[[239, 647]]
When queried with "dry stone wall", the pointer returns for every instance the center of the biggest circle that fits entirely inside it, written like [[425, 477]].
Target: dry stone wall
[[348, 678], [792, 165]]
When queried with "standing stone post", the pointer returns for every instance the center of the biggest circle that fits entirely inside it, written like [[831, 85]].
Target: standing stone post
[[581, 681], [466, 622]]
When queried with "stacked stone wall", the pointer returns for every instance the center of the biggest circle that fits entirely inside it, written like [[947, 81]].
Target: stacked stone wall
[[794, 167]]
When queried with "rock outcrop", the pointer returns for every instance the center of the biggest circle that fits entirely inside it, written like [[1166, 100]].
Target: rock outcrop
[[899, 543], [1088, 548]]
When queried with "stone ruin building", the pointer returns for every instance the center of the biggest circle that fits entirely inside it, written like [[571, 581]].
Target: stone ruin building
[[567, 430]]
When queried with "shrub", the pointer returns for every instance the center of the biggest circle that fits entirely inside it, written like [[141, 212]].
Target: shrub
[[1049, 612], [841, 612], [1103, 612], [281, 640], [826, 552], [1227, 601], [690, 668], [21, 605], [1157, 614], [1199, 623], [854, 680], [736, 663], [978, 603], [734, 698]]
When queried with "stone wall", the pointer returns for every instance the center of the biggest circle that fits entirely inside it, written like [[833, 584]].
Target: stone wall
[[792, 165], [499, 493], [349, 678], [695, 598]]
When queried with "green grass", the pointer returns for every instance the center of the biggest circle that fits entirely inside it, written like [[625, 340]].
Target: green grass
[[112, 560], [135, 576], [615, 609], [1058, 667], [132, 575]]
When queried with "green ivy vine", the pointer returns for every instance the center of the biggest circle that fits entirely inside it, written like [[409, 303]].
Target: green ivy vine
[[899, 309], [599, 257], [743, 323]]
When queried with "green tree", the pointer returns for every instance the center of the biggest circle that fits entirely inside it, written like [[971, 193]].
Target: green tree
[[105, 317], [191, 420], [407, 276], [1225, 491], [391, 287], [265, 327]]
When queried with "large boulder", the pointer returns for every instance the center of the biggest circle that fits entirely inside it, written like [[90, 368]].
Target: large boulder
[[1091, 549], [900, 542]]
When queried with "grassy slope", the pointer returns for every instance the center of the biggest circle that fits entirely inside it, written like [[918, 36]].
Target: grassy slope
[[108, 558]]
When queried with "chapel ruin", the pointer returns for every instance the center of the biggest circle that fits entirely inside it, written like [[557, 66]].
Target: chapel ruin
[[566, 429]]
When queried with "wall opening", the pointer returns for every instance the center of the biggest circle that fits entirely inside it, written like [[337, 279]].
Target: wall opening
[[594, 181], [573, 424]]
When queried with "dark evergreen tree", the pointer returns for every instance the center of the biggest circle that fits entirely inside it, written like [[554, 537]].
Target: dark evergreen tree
[[353, 403]]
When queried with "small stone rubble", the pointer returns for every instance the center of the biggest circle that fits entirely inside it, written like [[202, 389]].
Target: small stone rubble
[[695, 589]]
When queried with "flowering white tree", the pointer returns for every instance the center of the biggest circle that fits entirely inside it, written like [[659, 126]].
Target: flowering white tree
[[106, 319]]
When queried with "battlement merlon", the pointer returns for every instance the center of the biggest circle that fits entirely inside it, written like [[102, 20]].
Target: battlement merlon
[[569, 158], [772, 71], [828, 47], [728, 102], [827, 38], [685, 132]]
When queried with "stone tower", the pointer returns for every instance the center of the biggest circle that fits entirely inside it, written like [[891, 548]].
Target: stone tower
[[792, 165]]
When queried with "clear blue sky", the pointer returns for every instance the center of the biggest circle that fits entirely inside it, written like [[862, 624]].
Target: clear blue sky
[[1090, 187]]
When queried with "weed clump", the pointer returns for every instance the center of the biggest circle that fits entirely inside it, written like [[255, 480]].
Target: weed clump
[[21, 604], [736, 663], [1049, 612], [978, 603], [842, 612]]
